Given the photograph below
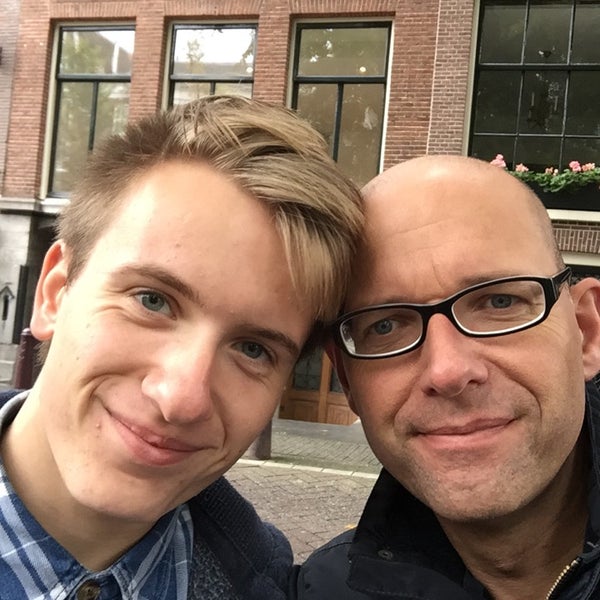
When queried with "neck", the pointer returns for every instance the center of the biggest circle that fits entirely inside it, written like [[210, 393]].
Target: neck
[[95, 540], [520, 556]]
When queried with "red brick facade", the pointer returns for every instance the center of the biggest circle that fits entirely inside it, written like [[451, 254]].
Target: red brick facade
[[429, 84]]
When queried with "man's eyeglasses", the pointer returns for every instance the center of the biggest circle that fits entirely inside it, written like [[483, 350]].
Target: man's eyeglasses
[[493, 308]]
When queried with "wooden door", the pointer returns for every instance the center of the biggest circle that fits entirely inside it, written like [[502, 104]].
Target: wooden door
[[314, 393]]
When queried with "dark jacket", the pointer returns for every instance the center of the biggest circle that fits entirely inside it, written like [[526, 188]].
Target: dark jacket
[[399, 549], [253, 558]]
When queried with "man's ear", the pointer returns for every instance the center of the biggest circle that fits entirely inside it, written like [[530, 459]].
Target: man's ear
[[335, 356], [49, 291], [586, 298]]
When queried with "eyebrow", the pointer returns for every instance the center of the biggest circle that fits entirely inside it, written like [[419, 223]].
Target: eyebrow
[[164, 276], [274, 336]]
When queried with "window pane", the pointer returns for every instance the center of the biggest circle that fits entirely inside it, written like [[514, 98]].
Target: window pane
[[112, 109], [486, 147], [586, 48], [360, 131], [307, 374], [355, 51], [581, 149], [237, 89], [317, 103], [96, 52], [543, 102], [548, 32], [502, 30], [334, 383], [185, 92], [496, 101], [214, 52], [538, 152], [583, 116], [71, 147]]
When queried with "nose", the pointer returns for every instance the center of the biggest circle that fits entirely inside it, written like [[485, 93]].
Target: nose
[[180, 383], [452, 360]]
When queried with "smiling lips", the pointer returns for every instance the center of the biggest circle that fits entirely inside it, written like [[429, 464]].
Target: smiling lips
[[467, 436], [150, 448], [159, 441], [472, 427]]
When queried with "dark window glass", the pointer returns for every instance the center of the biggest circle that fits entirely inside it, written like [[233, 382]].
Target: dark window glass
[[339, 86], [541, 152], [584, 104], [537, 82], [543, 102], [585, 150], [502, 29], [586, 48], [210, 59], [486, 147], [497, 95], [92, 98], [547, 37]]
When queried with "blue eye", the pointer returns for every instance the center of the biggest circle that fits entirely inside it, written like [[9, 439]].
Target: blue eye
[[253, 350], [154, 302], [383, 327], [501, 301]]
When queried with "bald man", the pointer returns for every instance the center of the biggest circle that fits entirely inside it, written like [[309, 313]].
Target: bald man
[[465, 350]]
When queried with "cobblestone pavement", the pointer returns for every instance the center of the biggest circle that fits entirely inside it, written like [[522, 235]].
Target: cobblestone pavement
[[309, 504], [315, 484]]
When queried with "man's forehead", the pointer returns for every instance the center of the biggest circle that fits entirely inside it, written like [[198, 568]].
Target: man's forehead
[[446, 229]]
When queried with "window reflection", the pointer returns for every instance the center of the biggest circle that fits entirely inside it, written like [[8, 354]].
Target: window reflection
[[209, 59], [92, 98], [339, 86]]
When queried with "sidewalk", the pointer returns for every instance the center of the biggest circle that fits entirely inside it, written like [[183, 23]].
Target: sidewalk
[[340, 447], [322, 446]]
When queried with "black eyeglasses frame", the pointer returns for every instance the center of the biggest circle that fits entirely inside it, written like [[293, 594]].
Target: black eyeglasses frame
[[550, 285]]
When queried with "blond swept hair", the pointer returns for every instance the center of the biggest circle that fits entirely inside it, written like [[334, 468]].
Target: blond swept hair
[[268, 151]]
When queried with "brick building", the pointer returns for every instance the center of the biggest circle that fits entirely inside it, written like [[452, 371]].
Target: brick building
[[383, 80]]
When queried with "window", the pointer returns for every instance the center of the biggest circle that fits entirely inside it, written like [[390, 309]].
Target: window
[[537, 83], [207, 60], [339, 86], [92, 96]]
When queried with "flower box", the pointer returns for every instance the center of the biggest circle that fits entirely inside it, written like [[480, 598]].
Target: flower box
[[583, 198], [574, 188]]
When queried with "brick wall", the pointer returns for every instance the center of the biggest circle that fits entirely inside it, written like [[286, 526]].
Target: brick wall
[[8, 43], [420, 76], [577, 236], [428, 87]]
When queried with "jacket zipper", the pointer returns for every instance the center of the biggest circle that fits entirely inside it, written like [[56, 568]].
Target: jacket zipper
[[562, 576]]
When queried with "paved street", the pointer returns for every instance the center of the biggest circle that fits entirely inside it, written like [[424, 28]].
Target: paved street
[[315, 484], [310, 505]]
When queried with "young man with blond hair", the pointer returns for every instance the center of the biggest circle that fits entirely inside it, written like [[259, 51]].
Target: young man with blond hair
[[195, 261]]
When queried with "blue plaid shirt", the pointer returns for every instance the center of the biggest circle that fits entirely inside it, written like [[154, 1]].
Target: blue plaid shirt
[[34, 566]]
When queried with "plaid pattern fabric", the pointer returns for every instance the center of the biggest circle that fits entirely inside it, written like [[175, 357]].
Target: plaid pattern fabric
[[34, 566]]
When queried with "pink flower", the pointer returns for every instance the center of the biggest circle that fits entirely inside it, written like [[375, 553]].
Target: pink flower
[[575, 166], [548, 170], [498, 161], [521, 168], [588, 167]]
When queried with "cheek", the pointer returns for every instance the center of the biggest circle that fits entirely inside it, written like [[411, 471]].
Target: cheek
[[378, 390]]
